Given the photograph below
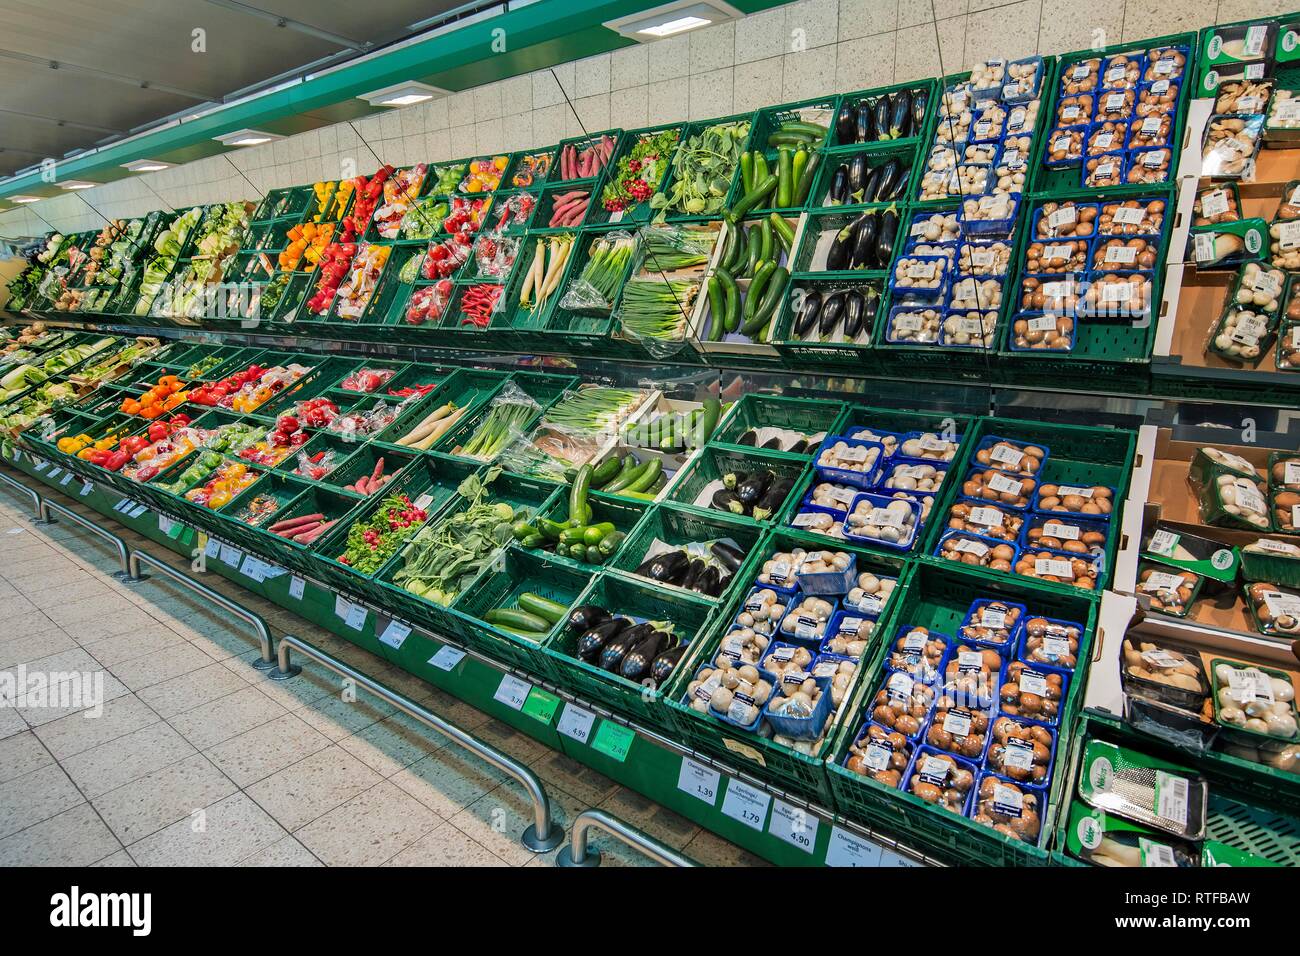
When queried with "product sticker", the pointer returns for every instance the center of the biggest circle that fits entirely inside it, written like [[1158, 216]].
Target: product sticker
[[1288, 234], [908, 322], [1247, 104], [986, 517], [990, 203], [1069, 114], [922, 270], [1075, 490], [1291, 473], [1163, 542], [805, 628], [1253, 45], [1155, 854], [1164, 660], [1054, 567], [1295, 515], [981, 258], [915, 640], [1008, 800], [794, 678], [1056, 647], [1114, 74], [1250, 683], [740, 710], [970, 662], [1151, 126], [1203, 247], [1080, 71], [1004, 485], [1214, 203], [1124, 255], [918, 229], [1162, 581], [1016, 120], [1248, 496], [1115, 102], [1019, 754], [899, 687], [1267, 283], [934, 769], [1277, 547], [1101, 142], [1130, 215], [1155, 158], [982, 129], [1012, 160], [849, 625], [1042, 323], [868, 604], [1061, 143], [783, 654], [1067, 532], [957, 723], [1104, 170], [1171, 797], [706, 689], [972, 326], [885, 518], [1060, 290], [877, 756], [826, 669], [754, 602], [780, 573], [732, 647], [1033, 683], [1282, 605], [1065, 216], [844, 495], [1250, 329], [1285, 111], [855, 453], [1006, 455], [969, 546], [805, 519], [1161, 87], [1118, 291]]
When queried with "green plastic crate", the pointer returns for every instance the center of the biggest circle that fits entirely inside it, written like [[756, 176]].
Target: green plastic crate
[[252, 537], [930, 87], [877, 154], [690, 130], [714, 461], [624, 514], [810, 416], [641, 212], [465, 388], [821, 110]]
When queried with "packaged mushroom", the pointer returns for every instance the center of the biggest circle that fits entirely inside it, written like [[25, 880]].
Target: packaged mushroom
[[1080, 77], [839, 671], [743, 645], [1120, 294], [869, 594], [913, 476], [1284, 470], [1157, 99], [1243, 96], [881, 754], [1276, 609], [970, 680], [937, 227], [994, 484], [820, 522], [1056, 255], [929, 446], [1051, 643], [1215, 204], [1029, 693], [1074, 110], [989, 258], [1149, 166], [1079, 570], [1059, 532], [1165, 673], [1050, 331], [973, 179], [924, 500], [807, 620], [1017, 458], [1102, 171], [849, 635], [1284, 111], [780, 571], [1065, 146], [1207, 457], [1132, 217], [1010, 809], [1135, 254], [800, 707], [990, 622], [887, 440], [1289, 208], [987, 124], [1106, 137], [860, 458], [970, 548], [989, 520], [1065, 220], [761, 611], [917, 652], [1023, 78], [1233, 501], [958, 730], [992, 213], [914, 325], [922, 276], [988, 76], [1149, 132], [1115, 105], [1012, 167], [1089, 500], [1021, 751], [902, 703], [1168, 590], [1164, 63], [941, 780], [890, 522], [1022, 118], [1242, 334], [827, 494], [1049, 293], [1254, 701], [971, 293], [1288, 346], [734, 694], [1123, 71], [1230, 145], [1285, 238], [1259, 288], [826, 572], [970, 329]]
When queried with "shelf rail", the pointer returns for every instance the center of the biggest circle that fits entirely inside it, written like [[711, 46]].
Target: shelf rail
[[252, 618], [579, 854], [26, 490], [45, 506], [541, 836]]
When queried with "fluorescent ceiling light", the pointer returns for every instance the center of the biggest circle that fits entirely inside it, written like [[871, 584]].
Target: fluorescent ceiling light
[[147, 165], [77, 184], [246, 137], [402, 94], [24, 199], [672, 19]]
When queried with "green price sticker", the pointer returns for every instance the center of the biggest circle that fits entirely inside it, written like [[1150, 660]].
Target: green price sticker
[[613, 740], [541, 705]]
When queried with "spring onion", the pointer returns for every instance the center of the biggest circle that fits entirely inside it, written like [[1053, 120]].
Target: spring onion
[[656, 308]]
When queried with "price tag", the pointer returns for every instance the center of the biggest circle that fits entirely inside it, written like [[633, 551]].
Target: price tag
[[746, 804], [575, 723], [1277, 547], [230, 557], [1115, 102], [846, 850], [512, 691], [54, 473], [423, 501], [1281, 604], [957, 723], [1006, 455], [356, 617], [970, 546], [699, 781], [1155, 854], [1171, 797], [1288, 234], [1032, 682], [986, 517], [251, 568], [613, 740], [1067, 532], [1253, 45], [87, 487], [1203, 247], [1101, 142], [212, 548], [395, 635], [1008, 800], [1054, 567], [1042, 323], [1123, 255], [1068, 115], [447, 657], [1291, 473], [41, 464], [1214, 203], [541, 705], [67, 477], [1004, 485], [794, 826], [138, 510], [1064, 216], [296, 586]]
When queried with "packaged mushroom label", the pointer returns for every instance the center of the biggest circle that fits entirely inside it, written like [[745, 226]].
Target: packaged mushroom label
[[1141, 788]]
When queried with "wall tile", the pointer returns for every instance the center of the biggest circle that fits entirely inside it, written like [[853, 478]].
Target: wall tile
[[713, 48], [516, 95], [1143, 18], [671, 58], [864, 18], [863, 63], [1232, 10], [464, 140], [487, 101], [630, 108], [671, 101], [546, 90], [551, 124], [592, 76], [710, 94], [390, 124], [629, 67], [519, 132], [757, 84], [812, 23], [593, 113], [438, 144], [761, 35], [807, 74], [437, 116], [1010, 31], [1066, 26]]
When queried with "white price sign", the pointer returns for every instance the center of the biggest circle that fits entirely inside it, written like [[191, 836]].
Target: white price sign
[[699, 781], [576, 723], [846, 850], [512, 692], [794, 826], [395, 635], [447, 657], [296, 588], [746, 804]]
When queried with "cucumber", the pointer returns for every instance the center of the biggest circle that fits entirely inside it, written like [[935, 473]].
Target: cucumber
[[731, 298], [519, 620], [604, 473], [578, 494], [647, 478], [542, 607], [623, 480]]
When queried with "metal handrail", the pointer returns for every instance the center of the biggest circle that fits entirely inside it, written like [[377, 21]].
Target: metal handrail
[[579, 854], [19, 486], [123, 553], [541, 836], [137, 558]]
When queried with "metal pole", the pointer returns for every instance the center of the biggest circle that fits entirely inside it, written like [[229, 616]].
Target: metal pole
[[47, 506], [267, 661], [578, 853], [541, 836], [24, 489]]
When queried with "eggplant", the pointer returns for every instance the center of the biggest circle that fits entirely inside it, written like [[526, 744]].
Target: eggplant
[[668, 566], [840, 254], [661, 668], [636, 664], [855, 310], [832, 312], [889, 173], [730, 557], [587, 616], [871, 185], [772, 444], [808, 313], [886, 236], [900, 115], [732, 478], [612, 654], [799, 447], [831, 316], [696, 569], [749, 438], [846, 126], [866, 123], [880, 116], [857, 175], [919, 101], [753, 487], [773, 498], [900, 188], [864, 243], [839, 191], [707, 582], [593, 641], [726, 500]]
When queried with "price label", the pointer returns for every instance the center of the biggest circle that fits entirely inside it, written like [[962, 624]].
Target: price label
[[1032, 682], [212, 548], [1277, 547], [957, 723], [1068, 115], [138, 510], [1130, 215], [251, 568], [1101, 142], [1281, 604], [613, 740], [1122, 255], [1288, 234], [1056, 529], [746, 804], [395, 635], [356, 617], [1253, 45], [165, 524], [699, 781], [1008, 800], [41, 464], [575, 723], [1054, 567], [1115, 102], [87, 487], [1064, 216], [296, 587], [68, 476], [1006, 455], [847, 850], [447, 657], [1171, 797], [1005, 485], [1042, 323], [970, 546], [986, 517], [541, 705], [1214, 203], [54, 473], [1203, 247], [231, 557], [1155, 854], [512, 691], [794, 826]]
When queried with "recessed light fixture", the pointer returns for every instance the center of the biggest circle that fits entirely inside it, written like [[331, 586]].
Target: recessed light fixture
[[672, 19], [24, 199], [147, 165], [246, 137], [403, 94], [76, 184]]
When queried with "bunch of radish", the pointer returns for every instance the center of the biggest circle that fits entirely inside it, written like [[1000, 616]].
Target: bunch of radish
[[570, 209], [576, 164], [301, 530], [369, 484]]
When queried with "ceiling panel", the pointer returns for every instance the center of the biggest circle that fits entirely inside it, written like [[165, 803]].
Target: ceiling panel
[[376, 22]]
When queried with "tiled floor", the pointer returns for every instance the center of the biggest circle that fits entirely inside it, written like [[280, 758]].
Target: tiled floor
[[198, 759]]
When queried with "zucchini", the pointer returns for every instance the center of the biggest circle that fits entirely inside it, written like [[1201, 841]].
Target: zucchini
[[533, 541], [710, 411], [783, 230], [787, 138], [753, 197], [754, 295], [542, 607], [578, 495], [771, 298], [609, 544], [717, 308], [518, 620], [523, 529], [647, 478], [594, 533], [815, 130], [624, 479], [731, 299], [551, 530], [592, 555], [784, 176], [604, 473]]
